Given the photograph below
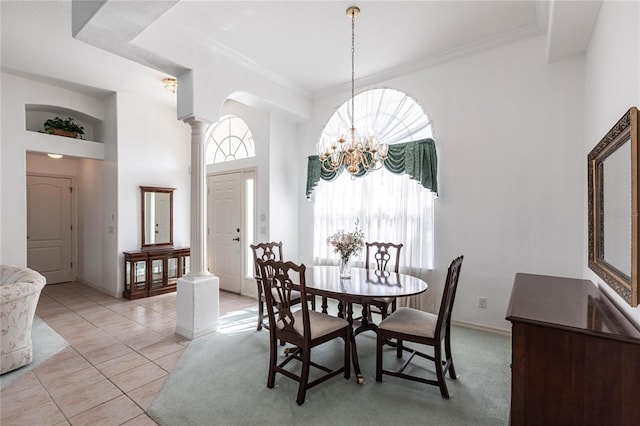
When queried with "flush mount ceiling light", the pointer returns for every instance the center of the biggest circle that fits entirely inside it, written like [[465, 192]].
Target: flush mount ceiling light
[[171, 84], [357, 152], [55, 155]]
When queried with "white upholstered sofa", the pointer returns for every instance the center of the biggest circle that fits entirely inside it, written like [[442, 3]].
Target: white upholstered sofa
[[19, 293]]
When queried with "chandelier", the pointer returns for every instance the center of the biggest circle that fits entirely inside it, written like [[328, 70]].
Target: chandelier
[[355, 152], [171, 84]]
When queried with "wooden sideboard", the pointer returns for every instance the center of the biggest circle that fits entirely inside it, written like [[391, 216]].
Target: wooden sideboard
[[154, 271], [575, 357]]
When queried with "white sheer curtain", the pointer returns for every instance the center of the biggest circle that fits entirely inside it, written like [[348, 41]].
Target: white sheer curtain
[[391, 208]]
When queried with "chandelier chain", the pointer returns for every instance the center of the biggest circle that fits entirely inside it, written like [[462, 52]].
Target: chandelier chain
[[353, 67]]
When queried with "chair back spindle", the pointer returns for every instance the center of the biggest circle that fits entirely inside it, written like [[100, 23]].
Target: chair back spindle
[[277, 283], [381, 254], [264, 252]]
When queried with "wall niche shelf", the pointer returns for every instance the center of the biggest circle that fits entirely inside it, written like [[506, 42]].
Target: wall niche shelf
[[36, 115]]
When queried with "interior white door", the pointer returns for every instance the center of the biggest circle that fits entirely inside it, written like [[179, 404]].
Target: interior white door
[[49, 227], [225, 219]]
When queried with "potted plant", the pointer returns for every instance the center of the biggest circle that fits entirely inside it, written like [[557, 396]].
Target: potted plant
[[60, 127]]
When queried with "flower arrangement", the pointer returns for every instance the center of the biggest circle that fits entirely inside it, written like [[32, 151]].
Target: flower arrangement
[[347, 244]]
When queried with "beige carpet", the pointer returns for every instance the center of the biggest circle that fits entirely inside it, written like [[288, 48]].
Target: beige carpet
[[221, 380]]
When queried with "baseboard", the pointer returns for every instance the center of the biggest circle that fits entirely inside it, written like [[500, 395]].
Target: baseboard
[[474, 326], [100, 289]]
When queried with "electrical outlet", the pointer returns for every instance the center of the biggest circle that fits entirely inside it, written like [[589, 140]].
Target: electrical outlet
[[482, 302]]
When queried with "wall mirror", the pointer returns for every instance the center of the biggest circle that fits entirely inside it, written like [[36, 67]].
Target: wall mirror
[[614, 206], [157, 216]]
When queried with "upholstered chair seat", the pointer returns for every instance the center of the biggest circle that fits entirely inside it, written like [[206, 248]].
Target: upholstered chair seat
[[320, 324], [411, 321]]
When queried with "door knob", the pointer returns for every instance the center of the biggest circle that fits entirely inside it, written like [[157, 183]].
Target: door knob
[[236, 239]]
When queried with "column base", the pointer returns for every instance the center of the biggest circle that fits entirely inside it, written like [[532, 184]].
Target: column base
[[198, 305]]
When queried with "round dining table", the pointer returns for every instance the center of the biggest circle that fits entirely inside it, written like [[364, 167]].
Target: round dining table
[[361, 287]]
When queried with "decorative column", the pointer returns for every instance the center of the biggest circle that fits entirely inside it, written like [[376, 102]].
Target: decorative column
[[198, 291]]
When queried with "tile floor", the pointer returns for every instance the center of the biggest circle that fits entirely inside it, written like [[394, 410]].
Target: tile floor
[[121, 352]]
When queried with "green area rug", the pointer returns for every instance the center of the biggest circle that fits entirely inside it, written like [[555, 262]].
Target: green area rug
[[221, 380], [46, 343]]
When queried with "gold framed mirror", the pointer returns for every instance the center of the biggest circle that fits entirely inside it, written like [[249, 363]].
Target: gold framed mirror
[[157, 216], [613, 205]]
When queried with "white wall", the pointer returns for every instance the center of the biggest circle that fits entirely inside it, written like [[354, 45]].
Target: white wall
[[91, 223], [153, 149], [509, 131], [612, 81], [285, 185], [16, 93], [106, 236]]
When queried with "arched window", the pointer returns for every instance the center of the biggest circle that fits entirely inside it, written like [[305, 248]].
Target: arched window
[[390, 207], [229, 139], [389, 114]]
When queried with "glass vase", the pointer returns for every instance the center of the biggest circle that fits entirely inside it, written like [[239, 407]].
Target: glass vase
[[345, 267]]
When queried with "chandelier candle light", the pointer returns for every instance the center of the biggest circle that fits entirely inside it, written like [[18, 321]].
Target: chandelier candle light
[[358, 154], [347, 244]]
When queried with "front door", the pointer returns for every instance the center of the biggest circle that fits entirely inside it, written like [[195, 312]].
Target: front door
[[225, 219], [49, 227]]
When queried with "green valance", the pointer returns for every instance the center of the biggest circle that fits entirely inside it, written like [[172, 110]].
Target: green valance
[[417, 159]]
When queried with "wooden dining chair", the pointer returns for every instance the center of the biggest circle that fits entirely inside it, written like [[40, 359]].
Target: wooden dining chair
[[304, 328], [412, 325], [383, 257], [267, 251]]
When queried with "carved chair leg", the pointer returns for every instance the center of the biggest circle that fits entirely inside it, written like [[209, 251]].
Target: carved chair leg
[[273, 359], [379, 347], [449, 357], [304, 376], [384, 311], [441, 378], [347, 356], [260, 314], [399, 348]]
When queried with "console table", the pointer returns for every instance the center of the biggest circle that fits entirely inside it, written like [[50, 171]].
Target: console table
[[154, 271], [575, 357]]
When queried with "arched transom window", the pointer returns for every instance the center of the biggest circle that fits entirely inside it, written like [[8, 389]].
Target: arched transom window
[[229, 139], [390, 115]]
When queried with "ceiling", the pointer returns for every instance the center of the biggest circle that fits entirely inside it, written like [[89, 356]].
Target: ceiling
[[304, 45]]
